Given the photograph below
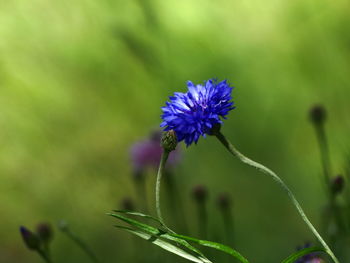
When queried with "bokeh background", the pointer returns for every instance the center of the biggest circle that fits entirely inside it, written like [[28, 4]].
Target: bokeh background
[[82, 80]]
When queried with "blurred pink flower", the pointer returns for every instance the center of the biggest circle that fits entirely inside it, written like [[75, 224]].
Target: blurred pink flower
[[146, 153]]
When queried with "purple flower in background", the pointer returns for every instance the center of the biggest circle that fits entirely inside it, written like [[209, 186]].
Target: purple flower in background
[[309, 258], [194, 113], [146, 153]]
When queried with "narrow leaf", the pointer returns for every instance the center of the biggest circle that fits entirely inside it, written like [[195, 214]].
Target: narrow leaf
[[139, 214], [161, 233], [214, 245], [165, 245]]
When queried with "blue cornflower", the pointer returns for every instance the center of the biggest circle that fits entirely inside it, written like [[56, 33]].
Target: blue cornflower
[[195, 112]]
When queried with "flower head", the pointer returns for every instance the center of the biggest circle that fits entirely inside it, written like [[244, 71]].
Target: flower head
[[223, 201], [194, 113], [200, 193], [318, 114], [337, 184]]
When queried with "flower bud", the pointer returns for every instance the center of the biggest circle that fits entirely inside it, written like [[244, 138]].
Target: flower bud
[[169, 140], [31, 240], [127, 204], [223, 201], [337, 184], [318, 114], [200, 193], [45, 232]]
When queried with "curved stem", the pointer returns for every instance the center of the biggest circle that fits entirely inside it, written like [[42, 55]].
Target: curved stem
[[279, 181], [44, 256], [163, 160], [82, 245]]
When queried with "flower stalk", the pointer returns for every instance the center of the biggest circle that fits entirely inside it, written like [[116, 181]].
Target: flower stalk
[[200, 196], [63, 226], [279, 181], [163, 160], [168, 143]]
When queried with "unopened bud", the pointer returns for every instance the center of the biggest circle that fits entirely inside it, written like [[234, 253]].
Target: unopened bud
[[169, 140], [337, 184], [223, 201], [31, 240], [318, 114], [45, 232], [200, 193], [127, 204]]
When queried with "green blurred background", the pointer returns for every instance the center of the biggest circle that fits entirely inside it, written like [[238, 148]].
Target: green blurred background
[[82, 80]]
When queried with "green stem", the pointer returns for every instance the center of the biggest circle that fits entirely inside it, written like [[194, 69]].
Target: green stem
[[323, 145], [163, 160], [82, 245], [229, 226], [175, 201], [141, 189], [44, 256], [279, 181], [202, 219]]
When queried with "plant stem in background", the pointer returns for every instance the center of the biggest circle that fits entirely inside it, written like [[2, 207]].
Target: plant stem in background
[[323, 144], [200, 196], [44, 255], [318, 118], [175, 200], [333, 184], [279, 181], [63, 226], [225, 206], [141, 190]]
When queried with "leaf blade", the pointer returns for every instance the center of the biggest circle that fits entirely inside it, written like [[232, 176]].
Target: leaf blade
[[134, 213], [215, 245], [166, 245], [161, 233]]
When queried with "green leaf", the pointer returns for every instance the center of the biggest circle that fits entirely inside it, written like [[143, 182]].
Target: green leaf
[[181, 239], [166, 245], [214, 245], [293, 257], [161, 233], [139, 214]]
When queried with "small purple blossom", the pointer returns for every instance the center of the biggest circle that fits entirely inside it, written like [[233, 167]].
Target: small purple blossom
[[146, 153], [194, 113], [309, 258]]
